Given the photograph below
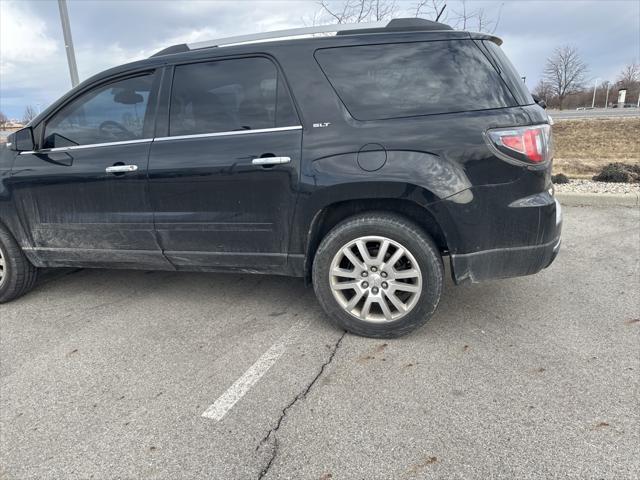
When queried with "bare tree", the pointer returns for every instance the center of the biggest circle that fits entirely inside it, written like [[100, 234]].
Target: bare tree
[[478, 18], [384, 9], [356, 11], [29, 114], [629, 76], [565, 72], [544, 91], [431, 9], [462, 16], [487, 23], [3, 119]]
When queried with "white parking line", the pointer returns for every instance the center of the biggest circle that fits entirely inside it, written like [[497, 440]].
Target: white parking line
[[241, 386]]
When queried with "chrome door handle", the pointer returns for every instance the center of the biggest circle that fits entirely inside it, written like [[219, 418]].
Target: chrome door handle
[[121, 168], [270, 160]]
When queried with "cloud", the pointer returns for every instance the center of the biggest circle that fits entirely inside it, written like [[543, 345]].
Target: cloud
[[20, 31], [607, 34], [28, 54], [33, 63]]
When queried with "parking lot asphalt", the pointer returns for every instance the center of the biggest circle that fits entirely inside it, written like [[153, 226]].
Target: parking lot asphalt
[[106, 374]]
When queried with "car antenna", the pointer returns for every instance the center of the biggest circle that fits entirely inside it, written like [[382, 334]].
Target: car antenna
[[442, 10]]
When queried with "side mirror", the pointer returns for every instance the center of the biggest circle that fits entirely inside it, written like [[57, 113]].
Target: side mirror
[[539, 101], [22, 140]]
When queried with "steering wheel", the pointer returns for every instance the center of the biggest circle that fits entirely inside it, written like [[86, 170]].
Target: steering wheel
[[114, 129]]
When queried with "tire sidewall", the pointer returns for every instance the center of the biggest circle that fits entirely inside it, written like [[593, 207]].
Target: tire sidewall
[[20, 273], [410, 237], [9, 267]]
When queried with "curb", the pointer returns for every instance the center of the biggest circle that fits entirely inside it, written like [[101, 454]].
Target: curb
[[571, 199]]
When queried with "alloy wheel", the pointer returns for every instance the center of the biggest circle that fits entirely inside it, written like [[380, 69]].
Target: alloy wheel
[[3, 266], [375, 279]]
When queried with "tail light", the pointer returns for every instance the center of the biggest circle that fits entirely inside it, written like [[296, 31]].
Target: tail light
[[522, 145]]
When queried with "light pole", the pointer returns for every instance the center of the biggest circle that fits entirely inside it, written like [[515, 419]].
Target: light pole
[[593, 102], [68, 42]]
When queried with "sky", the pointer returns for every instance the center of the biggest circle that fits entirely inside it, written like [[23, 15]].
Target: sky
[[106, 33]]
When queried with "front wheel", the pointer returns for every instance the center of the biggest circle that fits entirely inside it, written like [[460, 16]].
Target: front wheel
[[378, 275], [17, 274]]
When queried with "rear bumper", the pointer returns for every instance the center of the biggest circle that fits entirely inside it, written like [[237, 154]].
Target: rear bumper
[[513, 261], [503, 262]]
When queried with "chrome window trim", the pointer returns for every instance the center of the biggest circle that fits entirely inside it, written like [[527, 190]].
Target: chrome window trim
[[228, 133], [163, 139], [90, 145]]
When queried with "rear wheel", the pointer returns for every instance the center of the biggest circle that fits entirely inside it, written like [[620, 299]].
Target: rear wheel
[[17, 274], [378, 275]]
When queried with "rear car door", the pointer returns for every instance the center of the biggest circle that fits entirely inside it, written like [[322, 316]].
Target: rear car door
[[223, 179], [82, 194]]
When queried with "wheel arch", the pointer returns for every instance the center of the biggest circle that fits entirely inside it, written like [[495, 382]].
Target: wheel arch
[[331, 214], [10, 221]]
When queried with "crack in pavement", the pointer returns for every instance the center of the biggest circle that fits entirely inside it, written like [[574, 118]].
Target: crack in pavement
[[272, 457], [271, 433]]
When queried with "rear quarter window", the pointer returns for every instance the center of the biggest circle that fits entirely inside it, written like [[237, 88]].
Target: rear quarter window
[[410, 79], [509, 73]]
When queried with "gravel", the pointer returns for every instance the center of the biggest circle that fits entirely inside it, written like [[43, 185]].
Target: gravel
[[589, 186]]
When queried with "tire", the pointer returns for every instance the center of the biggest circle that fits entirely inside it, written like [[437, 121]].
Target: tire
[[17, 274], [419, 268]]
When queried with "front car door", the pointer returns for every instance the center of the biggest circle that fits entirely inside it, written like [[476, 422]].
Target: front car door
[[223, 179], [82, 194]]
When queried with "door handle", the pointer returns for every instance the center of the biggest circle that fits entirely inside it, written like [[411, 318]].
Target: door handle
[[121, 168], [270, 160]]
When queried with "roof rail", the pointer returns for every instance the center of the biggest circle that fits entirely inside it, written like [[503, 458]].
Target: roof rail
[[396, 25], [293, 32]]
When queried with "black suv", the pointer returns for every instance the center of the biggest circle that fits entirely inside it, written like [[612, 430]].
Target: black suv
[[357, 161]]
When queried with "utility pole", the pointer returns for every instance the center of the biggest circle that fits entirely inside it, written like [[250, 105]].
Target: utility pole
[[68, 42], [593, 102], [606, 102]]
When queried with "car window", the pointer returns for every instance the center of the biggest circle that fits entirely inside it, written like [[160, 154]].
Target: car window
[[109, 113], [509, 73], [227, 95], [409, 79]]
